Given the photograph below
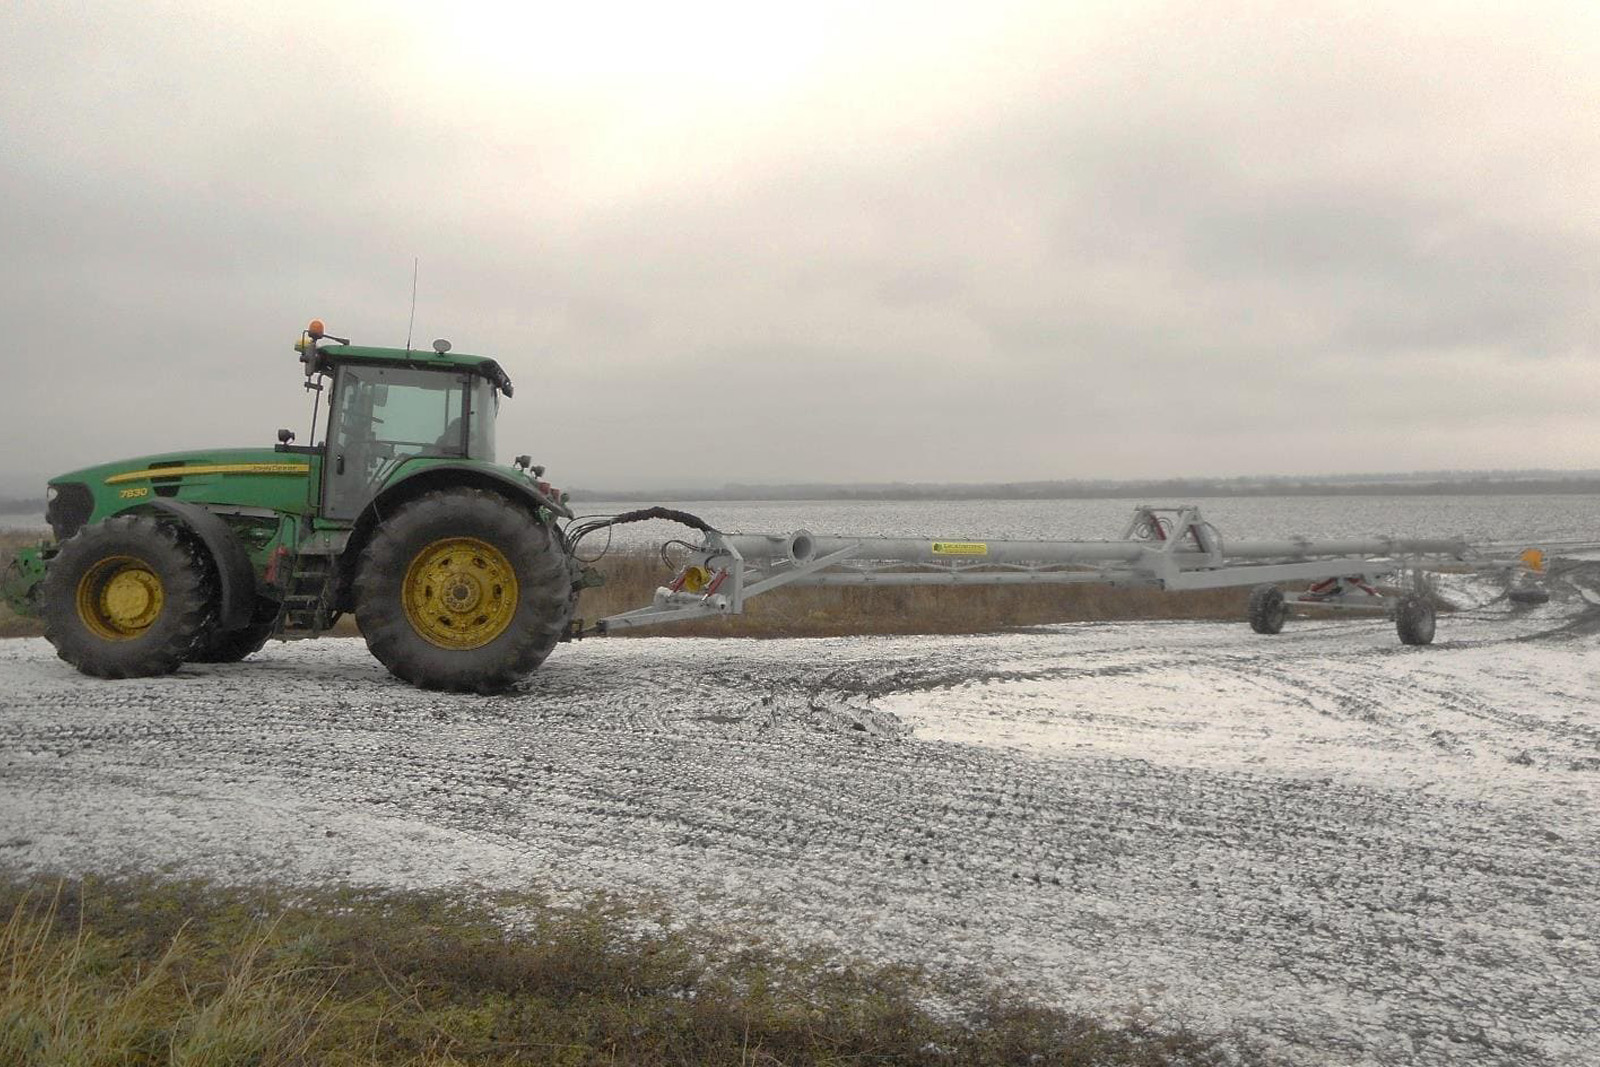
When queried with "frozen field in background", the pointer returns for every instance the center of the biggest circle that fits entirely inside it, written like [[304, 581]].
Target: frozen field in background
[[1353, 850], [1521, 519]]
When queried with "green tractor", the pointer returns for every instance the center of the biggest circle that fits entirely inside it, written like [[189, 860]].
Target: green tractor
[[454, 566]]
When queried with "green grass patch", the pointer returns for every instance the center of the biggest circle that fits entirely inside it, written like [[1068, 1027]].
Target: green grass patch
[[135, 972]]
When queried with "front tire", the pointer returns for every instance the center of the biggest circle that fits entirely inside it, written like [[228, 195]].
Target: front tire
[[463, 591], [126, 598]]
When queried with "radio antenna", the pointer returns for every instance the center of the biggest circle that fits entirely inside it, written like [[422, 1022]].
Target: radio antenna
[[413, 320]]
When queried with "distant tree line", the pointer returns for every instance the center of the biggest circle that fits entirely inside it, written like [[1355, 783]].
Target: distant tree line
[[19, 505], [1432, 483]]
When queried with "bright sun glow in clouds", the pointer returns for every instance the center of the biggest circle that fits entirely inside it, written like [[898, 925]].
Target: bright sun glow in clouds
[[721, 43]]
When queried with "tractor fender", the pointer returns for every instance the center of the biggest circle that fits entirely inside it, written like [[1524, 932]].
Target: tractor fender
[[409, 486], [448, 474], [236, 578]]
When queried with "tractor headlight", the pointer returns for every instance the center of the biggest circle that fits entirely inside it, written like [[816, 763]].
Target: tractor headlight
[[50, 494]]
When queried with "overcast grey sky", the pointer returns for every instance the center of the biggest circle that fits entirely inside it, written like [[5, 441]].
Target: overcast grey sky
[[818, 242]]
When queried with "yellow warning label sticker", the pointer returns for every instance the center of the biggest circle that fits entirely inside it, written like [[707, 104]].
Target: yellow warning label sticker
[[960, 548]]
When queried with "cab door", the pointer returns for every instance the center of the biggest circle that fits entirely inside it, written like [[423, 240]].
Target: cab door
[[379, 418]]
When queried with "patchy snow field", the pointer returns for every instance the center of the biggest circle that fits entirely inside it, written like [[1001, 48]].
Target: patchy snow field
[[1351, 850]]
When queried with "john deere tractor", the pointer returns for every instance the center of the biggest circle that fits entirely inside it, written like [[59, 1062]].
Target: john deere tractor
[[453, 565]]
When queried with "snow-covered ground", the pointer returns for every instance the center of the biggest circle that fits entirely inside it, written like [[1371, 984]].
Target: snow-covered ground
[[1355, 851]]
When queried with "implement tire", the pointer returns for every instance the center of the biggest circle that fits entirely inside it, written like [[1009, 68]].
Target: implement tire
[[1414, 621], [1267, 609], [126, 598], [464, 591]]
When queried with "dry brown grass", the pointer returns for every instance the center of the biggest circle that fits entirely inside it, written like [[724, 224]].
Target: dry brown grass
[[143, 973], [632, 578]]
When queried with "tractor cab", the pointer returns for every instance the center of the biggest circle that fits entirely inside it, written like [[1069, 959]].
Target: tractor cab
[[389, 407]]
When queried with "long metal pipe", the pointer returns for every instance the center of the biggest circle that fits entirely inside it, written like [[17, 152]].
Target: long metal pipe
[[1304, 548], [802, 547]]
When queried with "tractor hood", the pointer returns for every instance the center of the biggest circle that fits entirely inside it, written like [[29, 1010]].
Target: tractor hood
[[238, 477]]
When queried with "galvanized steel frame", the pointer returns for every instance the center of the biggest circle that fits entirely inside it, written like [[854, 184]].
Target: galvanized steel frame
[[1172, 548]]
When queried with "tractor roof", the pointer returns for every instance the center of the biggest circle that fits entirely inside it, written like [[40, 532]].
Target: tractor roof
[[327, 355]]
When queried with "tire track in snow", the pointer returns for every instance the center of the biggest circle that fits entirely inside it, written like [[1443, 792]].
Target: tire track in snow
[[1207, 834]]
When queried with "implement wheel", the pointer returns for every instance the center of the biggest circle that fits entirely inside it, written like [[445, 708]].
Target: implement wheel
[[126, 598], [1414, 620], [463, 590], [1267, 609]]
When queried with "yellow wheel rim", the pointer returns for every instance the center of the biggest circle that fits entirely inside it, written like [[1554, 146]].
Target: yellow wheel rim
[[119, 598], [460, 593]]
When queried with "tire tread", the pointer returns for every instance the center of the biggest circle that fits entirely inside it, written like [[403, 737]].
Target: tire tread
[[187, 600], [544, 580]]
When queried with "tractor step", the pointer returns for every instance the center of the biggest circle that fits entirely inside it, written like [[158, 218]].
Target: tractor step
[[308, 598]]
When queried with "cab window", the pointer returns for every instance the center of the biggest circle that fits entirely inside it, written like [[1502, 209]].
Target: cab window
[[383, 416]]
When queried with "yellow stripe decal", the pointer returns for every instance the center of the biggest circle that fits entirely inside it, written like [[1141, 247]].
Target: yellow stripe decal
[[216, 468]]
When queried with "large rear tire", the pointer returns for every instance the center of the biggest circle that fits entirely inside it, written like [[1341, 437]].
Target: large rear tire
[[126, 598], [464, 591], [1267, 609]]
